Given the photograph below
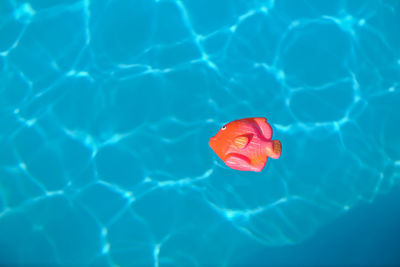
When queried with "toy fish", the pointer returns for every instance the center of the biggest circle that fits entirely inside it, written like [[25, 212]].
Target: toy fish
[[245, 144]]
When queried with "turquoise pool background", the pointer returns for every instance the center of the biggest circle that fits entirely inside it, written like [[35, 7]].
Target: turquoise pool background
[[106, 109]]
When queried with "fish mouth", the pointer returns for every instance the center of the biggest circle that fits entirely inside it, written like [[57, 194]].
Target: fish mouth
[[212, 141]]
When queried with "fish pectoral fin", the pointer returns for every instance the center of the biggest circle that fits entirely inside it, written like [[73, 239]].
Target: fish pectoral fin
[[274, 149], [241, 141]]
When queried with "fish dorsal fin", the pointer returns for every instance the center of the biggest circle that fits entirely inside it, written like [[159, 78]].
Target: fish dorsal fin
[[241, 141], [265, 128]]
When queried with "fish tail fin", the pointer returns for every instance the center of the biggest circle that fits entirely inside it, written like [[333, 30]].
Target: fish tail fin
[[274, 149]]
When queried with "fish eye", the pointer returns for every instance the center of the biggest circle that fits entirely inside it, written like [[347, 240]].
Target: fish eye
[[223, 127]]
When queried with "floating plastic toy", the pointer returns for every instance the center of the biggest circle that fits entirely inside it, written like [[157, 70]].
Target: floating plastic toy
[[246, 144]]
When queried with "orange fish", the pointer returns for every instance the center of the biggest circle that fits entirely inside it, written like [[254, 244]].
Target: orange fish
[[245, 144]]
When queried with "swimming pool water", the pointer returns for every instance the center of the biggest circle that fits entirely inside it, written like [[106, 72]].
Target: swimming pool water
[[107, 107]]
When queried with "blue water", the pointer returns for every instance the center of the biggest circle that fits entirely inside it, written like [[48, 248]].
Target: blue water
[[107, 106]]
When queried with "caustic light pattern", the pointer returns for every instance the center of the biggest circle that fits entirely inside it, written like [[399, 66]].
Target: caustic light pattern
[[107, 107]]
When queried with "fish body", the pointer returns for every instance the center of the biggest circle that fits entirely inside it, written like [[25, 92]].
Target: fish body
[[246, 144]]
